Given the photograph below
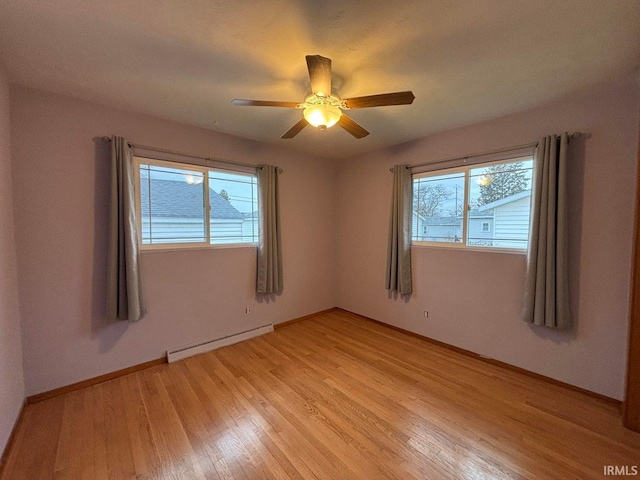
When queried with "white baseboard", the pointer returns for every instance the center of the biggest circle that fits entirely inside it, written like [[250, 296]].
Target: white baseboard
[[203, 347]]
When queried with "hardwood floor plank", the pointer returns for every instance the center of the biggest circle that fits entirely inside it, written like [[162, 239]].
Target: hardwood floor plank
[[101, 466], [268, 444], [312, 401], [342, 390], [37, 443], [75, 451], [331, 397], [224, 443], [119, 455], [246, 439], [300, 451], [282, 399], [167, 434], [436, 403], [386, 392], [143, 450], [509, 410]]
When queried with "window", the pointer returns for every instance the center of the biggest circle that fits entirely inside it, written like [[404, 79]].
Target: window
[[485, 205], [174, 200]]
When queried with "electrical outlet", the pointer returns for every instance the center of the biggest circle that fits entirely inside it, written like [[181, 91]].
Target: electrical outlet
[[426, 314], [248, 310]]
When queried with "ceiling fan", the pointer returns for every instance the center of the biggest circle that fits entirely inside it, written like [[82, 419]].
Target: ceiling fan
[[323, 107]]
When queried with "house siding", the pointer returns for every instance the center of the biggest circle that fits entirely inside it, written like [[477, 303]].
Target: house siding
[[476, 235], [250, 229], [226, 231], [511, 223], [174, 230], [451, 229]]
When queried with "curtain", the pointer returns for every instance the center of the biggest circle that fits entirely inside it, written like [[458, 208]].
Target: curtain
[[399, 249], [124, 293], [269, 271], [546, 298]]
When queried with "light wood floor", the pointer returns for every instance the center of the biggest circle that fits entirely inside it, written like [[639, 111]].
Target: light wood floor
[[331, 397]]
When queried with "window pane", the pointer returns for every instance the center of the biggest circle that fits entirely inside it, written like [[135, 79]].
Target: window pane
[[171, 205], [438, 203], [500, 199], [234, 207]]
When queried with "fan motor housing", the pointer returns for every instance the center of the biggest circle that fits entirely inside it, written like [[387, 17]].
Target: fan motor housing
[[322, 112]]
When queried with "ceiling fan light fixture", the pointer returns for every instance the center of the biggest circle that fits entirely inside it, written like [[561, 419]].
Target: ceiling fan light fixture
[[194, 179], [485, 180], [322, 116], [323, 105]]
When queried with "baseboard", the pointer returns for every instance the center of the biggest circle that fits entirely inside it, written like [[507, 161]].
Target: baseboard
[[142, 366], [181, 353], [492, 361], [305, 317], [94, 381], [12, 438], [136, 368]]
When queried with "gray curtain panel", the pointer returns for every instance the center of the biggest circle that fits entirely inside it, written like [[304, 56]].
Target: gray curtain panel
[[269, 271], [546, 297], [124, 293], [399, 250]]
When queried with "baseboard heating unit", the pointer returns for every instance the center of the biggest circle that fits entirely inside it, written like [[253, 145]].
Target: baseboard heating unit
[[203, 347]]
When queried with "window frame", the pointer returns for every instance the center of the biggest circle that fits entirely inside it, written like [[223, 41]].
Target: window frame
[[466, 169], [146, 247]]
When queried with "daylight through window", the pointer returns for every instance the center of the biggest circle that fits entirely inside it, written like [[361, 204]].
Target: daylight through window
[[485, 205], [174, 200]]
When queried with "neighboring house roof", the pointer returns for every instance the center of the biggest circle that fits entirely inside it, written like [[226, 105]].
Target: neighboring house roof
[[453, 221], [179, 199], [449, 220], [505, 200], [477, 213]]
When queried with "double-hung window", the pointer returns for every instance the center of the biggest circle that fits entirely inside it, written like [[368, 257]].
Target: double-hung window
[[480, 206], [181, 206]]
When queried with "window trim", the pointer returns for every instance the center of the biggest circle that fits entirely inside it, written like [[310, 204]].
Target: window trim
[[465, 218], [168, 247]]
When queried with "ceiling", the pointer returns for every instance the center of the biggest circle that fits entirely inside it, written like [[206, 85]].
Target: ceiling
[[466, 61]]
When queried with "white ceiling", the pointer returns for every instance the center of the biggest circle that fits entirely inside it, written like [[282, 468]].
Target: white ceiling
[[185, 60]]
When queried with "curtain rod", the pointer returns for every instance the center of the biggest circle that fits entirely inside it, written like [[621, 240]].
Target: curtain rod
[[189, 155], [482, 154]]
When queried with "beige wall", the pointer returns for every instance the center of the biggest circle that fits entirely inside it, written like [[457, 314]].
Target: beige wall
[[474, 298], [61, 177], [11, 372], [335, 237]]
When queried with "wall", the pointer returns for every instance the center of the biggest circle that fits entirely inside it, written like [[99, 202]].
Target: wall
[[11, 373], [60, 181], [473, 298], [61, 177]]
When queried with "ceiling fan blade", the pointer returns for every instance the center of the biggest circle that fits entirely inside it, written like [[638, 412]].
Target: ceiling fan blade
[[262, 103], [320, 74], [352, 127], [296, 129], [395, 98]]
